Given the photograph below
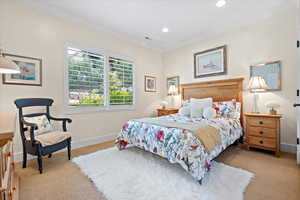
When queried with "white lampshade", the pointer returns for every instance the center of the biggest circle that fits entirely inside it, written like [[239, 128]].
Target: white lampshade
[[257, 84], [7, 66], [172, 90]]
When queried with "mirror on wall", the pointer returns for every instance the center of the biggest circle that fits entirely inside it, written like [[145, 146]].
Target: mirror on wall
[[270, 71]]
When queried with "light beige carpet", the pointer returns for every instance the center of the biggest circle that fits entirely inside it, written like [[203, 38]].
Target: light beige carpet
[[275, 178]]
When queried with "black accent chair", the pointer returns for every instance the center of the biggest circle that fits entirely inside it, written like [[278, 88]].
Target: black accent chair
[[31, 145]]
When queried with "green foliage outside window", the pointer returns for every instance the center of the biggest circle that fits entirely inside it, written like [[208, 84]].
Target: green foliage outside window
[[86, 84]]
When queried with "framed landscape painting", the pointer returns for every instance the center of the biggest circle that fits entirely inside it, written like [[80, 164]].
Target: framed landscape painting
[[31, 71], [271, 73], [211, 62], [150, 84]]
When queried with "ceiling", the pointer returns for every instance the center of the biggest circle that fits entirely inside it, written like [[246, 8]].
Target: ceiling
[[187, 20]]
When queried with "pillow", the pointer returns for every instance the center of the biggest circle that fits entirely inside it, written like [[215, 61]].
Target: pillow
[[185, 103], [42, 123], [228, 109], [209, 113], [185, 111], [197, 106]]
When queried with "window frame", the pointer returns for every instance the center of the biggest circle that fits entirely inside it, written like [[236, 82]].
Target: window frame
[[106, 107]]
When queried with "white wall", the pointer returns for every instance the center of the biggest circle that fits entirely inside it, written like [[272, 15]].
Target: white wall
[[270, 40], [28, 32]]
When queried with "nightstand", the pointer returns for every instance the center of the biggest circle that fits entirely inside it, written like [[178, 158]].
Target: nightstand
[[263, 131], [166, 111]]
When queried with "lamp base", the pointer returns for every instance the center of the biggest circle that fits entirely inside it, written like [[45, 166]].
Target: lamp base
[[255, 107]]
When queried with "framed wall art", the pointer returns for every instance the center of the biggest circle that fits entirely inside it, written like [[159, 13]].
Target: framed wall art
[[270, 71], [175, 82], [211, 62], [150, 84], [31, 71]]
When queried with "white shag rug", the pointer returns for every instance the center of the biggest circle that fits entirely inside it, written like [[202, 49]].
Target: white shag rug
[[133, 174]]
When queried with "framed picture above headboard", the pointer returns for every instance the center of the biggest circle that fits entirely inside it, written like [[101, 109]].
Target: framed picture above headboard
[[270, 71]]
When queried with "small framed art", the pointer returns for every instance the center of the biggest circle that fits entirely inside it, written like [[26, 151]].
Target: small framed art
[[150, 84], [31, 71]]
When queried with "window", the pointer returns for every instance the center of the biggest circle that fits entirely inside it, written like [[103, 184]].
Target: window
[[97, 81], [120, 82]]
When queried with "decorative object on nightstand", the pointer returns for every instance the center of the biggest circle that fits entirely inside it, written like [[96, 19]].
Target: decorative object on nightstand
[[167, 111], [257, 84], [272, 106], [163, 104], [263, 131]]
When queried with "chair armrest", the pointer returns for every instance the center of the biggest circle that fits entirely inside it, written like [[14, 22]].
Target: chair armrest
[[32, 128], [29, 124], [60, 119], [64, 120]]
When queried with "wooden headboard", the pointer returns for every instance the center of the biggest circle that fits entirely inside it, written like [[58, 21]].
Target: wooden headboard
[[220, 90]]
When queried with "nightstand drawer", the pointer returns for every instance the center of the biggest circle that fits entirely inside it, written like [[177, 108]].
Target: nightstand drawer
[[262, 132], [262, 122], [162, 112], [263, 142]]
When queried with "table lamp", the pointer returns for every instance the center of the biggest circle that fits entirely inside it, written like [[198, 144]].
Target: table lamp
[[7, 66], [257, 84], [172, 92]]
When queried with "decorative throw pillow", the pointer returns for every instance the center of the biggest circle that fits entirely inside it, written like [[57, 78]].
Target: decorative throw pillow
[[228, 109], [197, 106], [209, 113], [185, 111], [42, 123]]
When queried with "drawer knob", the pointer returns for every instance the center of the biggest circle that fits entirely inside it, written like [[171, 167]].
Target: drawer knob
[[261, 122], [261, 132], [261, 142]]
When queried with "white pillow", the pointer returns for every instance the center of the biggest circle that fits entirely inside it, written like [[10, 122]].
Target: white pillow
[[42, 123], [209, 113], [185, 111], [197, 106]]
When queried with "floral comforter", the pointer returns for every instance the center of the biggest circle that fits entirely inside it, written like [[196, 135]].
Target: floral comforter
[[178, 145]]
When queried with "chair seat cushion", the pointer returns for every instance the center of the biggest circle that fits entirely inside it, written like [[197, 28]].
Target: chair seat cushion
[[51, 138]]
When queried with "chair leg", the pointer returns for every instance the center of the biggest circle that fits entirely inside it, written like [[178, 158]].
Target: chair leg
[[24, 159], [40, 162], [40, 159], [69, 149]]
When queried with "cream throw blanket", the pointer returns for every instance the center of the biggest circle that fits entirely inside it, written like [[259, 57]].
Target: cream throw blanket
[[208, 135]]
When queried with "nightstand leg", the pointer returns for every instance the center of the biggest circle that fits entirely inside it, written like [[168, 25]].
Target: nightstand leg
[[247, 147], [277, 153]]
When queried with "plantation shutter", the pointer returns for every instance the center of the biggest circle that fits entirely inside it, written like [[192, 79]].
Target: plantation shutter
[[86, 78], [120, 81]]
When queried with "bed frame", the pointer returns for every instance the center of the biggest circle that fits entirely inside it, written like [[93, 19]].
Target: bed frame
[[220, 90]]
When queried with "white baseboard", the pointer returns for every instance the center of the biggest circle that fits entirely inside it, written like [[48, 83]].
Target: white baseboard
[[18, 156], [290, 148]]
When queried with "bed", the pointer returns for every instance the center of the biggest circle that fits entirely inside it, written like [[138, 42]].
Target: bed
[[180, 144]]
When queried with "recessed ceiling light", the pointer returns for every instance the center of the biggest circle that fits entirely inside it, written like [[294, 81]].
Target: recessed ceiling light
[[221, 3], [165, 30]]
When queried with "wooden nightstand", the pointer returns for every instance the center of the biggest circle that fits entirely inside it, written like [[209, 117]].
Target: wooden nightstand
[[166, 111], [263, 131]]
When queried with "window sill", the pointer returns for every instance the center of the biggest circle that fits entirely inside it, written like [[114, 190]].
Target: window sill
[[78, 110]]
